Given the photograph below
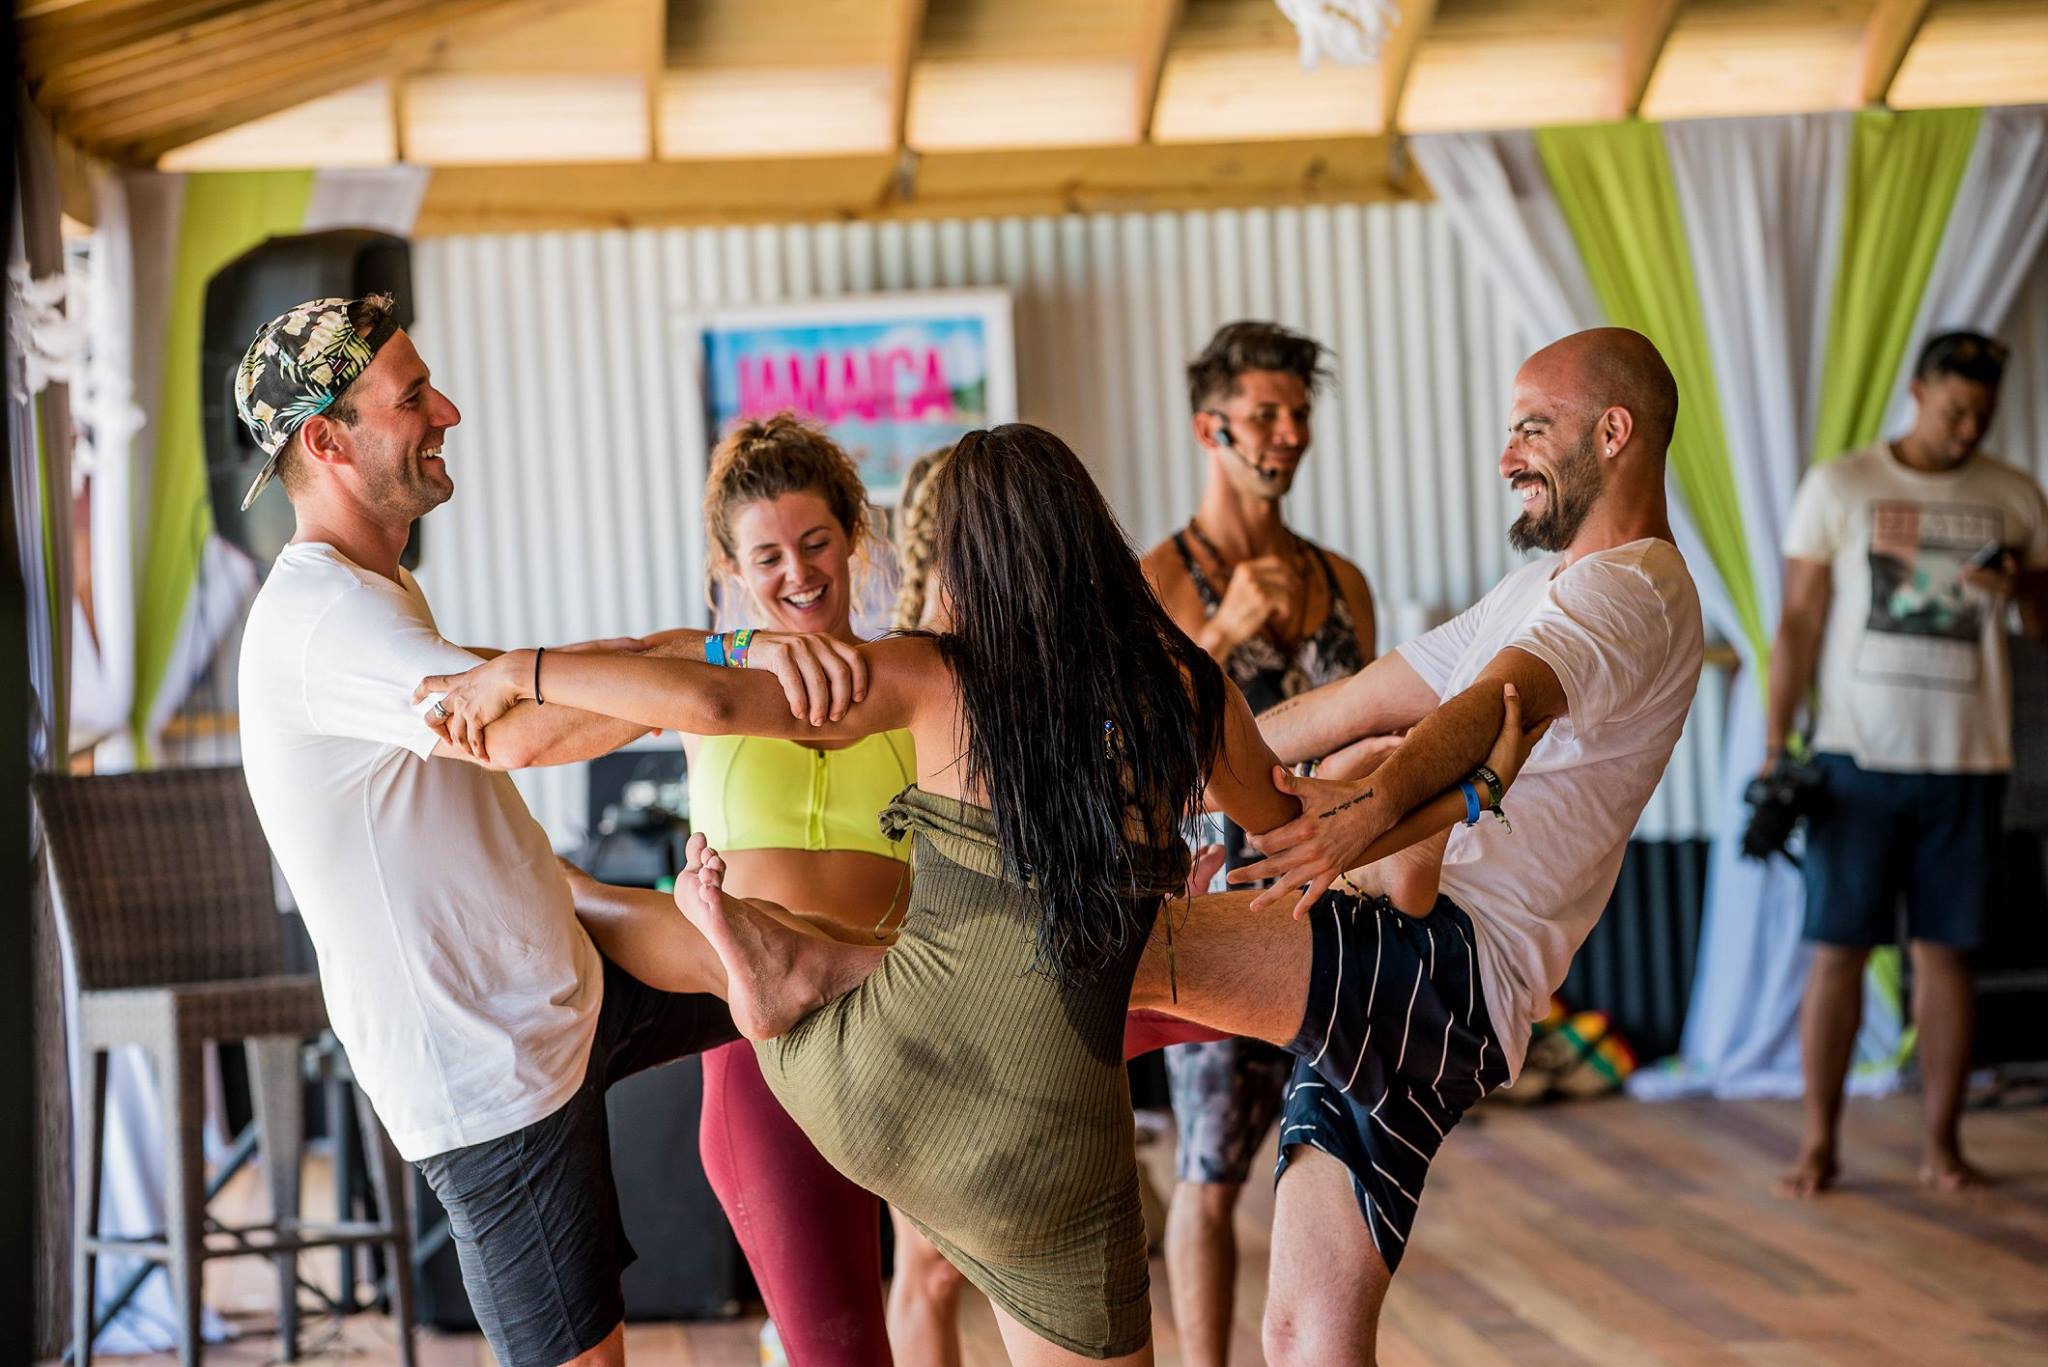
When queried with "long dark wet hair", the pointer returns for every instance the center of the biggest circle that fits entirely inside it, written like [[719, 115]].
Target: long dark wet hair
[[1091, 719]]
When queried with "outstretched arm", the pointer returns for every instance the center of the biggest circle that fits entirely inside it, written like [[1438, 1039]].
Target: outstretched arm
[[1342, 824], [795, 686], [1387, 695], [531, 735], [1241, 778]]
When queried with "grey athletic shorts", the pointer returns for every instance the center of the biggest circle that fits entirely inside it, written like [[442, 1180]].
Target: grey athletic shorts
[[534, 1213]]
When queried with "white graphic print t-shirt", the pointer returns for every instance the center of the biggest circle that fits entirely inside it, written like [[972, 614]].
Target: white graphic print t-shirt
[[1913, 673]]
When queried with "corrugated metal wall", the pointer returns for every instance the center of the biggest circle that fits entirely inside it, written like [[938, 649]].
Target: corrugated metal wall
[[581, 457]]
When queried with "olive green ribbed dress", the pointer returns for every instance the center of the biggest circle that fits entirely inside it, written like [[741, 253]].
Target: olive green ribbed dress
[[982, 1100]]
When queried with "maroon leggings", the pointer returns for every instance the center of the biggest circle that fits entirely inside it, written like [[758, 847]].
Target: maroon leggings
[[812, 1237]]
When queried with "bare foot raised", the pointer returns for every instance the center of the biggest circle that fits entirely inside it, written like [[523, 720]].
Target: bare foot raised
[[1813, 1174], [1948, 1172], [774, 975]]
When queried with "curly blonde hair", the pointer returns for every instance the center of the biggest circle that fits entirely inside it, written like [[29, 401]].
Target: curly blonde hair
[[916, 540], [765, 458]]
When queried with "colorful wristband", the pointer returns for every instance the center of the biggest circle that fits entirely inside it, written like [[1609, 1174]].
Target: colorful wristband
[[714, 649], [741, 640], [1471, 802], [1494, 787]]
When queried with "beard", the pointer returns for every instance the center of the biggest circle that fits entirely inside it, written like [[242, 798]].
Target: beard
[[397, 486], [1569, 493]]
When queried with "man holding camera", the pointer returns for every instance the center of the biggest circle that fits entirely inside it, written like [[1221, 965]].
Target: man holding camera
[[1901, 560]]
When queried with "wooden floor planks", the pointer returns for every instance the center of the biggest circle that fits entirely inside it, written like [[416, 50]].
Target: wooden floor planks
[[1601, 1233]]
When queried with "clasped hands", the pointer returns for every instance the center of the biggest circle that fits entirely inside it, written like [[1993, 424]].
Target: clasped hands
[[1341, 819], [821, 676]]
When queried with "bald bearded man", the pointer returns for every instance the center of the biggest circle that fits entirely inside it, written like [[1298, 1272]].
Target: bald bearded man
[[1401, 1021]]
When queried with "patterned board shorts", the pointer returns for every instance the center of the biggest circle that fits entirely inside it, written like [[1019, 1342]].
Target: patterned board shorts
[[1395, 1046], [1226, 1094]]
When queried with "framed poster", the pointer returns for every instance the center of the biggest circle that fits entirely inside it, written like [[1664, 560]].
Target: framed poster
[[890, 376]]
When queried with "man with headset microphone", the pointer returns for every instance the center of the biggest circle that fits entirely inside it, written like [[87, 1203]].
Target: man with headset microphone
[[1281, 615]]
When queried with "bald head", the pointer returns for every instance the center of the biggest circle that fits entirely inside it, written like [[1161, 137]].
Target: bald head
[[1604, 368]]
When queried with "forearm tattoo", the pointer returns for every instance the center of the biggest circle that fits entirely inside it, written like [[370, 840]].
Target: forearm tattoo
[[1277, 708], [1325, 816]]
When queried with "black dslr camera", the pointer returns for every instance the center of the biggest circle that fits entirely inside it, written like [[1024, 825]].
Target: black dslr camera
[[1778, 801]]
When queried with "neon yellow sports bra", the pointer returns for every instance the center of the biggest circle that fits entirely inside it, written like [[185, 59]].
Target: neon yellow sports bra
[[754, 793]]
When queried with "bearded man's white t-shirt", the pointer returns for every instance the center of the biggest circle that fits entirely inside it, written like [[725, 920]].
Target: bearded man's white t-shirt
[[455, 971], [1621, 629]]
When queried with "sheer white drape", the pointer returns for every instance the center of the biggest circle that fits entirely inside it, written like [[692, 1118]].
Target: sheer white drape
[[1762, 205], [1994, 235]]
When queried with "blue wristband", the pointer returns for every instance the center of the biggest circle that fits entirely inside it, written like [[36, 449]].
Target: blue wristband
[[714, 649], [1471, 802]]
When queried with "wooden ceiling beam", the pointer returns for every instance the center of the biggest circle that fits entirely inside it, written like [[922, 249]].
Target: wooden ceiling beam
[[51, 42], [656, 71], [1397, 58], [227, 46], [1890, 32], [151, 124], [468, 199], [1647, 30], [1157, 23], [905, 33]]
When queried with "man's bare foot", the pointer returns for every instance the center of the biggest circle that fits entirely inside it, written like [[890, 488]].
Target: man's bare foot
[[775, 975], [1947, 1172], [1813, 1174]]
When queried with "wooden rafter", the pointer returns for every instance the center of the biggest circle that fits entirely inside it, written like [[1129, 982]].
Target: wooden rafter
[[463, 199], [906, 30], [163, 90], [1642, 42], [1892, 27], [1397, 58], [1155, 32], [657, 71], [60, 37]]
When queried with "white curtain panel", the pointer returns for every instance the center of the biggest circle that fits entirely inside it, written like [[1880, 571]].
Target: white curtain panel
[[1994, 235], [1762, 205], [1494, 188]]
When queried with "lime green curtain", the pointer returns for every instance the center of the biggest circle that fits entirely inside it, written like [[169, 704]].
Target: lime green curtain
[[1614, 185], [1904, 169], [222, 217]]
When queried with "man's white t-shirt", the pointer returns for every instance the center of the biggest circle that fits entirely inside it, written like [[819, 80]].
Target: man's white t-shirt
[[455, 971], [1621, 629], [1914, 676]]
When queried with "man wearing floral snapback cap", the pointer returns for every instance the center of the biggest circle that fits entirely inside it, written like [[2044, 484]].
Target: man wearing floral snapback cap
[[479, 1017]]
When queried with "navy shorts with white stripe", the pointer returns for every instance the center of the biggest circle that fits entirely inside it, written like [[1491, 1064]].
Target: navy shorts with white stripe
[[1394, 1047]]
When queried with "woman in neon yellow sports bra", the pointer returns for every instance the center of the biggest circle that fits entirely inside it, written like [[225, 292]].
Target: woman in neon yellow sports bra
[[785, 521]]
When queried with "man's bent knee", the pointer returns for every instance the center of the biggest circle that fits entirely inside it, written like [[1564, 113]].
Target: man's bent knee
[[610, 1352]]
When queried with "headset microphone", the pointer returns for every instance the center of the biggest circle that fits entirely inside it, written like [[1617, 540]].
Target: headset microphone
[[1229, 443]]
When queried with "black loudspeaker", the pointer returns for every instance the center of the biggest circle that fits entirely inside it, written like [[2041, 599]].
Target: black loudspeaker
[[689, 1265], [245, 294]]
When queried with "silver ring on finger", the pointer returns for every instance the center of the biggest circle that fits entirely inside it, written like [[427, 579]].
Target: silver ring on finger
[[440, 711]]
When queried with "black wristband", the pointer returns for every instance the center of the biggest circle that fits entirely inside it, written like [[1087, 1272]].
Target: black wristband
[[1494, 787], [537, 698]]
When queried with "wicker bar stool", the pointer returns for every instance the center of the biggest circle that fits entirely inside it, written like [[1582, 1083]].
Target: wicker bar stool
[[164, 903]]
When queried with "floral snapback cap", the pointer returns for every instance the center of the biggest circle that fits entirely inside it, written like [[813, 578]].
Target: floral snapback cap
[[299, 364]]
